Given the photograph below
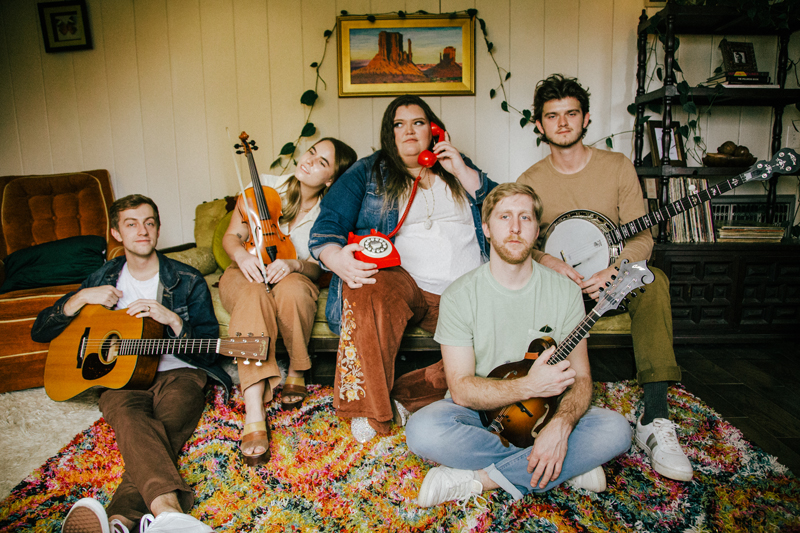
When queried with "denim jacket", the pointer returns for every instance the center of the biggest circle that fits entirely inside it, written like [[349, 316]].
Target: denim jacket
[[184, 292], [354, 204]]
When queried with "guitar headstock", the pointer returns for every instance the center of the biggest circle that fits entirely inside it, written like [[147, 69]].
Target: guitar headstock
[[245, 348], [246, 147], [784, 162], [631, 276]]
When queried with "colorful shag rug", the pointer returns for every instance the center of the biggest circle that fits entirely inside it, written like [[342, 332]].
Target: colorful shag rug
[[320, 479]]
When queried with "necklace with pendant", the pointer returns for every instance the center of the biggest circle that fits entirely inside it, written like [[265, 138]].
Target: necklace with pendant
[[428, 224]]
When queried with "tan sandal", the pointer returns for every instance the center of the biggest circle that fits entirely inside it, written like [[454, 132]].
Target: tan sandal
[[293, 388], [256, 434]]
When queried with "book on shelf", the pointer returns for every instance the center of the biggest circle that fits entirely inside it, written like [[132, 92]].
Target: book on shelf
[[727, 79], [693, 225], [749, 231]]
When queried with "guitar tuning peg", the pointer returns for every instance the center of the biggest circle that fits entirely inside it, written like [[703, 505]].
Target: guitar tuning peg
[[246, 362], [258, 363], [249, 334], [238, 334]]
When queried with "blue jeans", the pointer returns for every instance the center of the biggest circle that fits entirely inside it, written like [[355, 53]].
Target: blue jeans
[[453, 435]]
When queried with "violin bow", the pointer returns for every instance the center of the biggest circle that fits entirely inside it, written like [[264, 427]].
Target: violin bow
[[250, 220]]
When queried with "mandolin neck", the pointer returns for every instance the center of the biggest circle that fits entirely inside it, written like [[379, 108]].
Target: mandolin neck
[[625, 231], [576, 335]]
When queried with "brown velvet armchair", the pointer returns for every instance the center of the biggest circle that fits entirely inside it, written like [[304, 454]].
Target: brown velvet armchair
[[36, 210]]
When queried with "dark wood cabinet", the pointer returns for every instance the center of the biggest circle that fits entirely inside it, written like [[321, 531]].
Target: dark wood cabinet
[[732, 292]]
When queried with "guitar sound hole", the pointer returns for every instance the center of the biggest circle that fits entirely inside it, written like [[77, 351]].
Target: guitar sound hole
[[96, 365]]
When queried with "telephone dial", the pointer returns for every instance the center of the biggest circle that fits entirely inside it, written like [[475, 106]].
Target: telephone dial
[[377, 247]]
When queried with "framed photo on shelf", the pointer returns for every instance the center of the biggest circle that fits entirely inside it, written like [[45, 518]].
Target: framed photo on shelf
[[677, 155], [65, 26], [416, 54], [738, 56]]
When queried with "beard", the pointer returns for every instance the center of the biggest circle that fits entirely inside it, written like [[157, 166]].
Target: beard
[[510, 256], [568, 143]]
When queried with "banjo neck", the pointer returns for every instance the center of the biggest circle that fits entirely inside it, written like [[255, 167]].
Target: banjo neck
[[625, 231]]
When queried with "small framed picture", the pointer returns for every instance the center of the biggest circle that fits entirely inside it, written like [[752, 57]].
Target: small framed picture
[[738, 56], [65, 26], [677, 156]]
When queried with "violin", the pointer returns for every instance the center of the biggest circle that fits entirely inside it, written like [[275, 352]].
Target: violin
[[261, 209], [521, 422]]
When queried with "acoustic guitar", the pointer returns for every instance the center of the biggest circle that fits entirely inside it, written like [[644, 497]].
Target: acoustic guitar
[[521, 422], [103, 348]]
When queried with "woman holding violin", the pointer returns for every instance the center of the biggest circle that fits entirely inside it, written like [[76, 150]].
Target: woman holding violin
[[440, 238], [287, 303]]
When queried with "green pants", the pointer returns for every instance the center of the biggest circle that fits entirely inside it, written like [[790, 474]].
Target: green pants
[[651, 329]]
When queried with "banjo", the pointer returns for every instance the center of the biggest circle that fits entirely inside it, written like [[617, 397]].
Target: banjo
[[589, 242]]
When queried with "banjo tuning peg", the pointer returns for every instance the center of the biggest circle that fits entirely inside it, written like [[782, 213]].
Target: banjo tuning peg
[[608, 283], [613, 277], [641, 289]]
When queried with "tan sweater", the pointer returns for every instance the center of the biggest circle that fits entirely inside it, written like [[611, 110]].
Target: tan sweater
[[608, 184]]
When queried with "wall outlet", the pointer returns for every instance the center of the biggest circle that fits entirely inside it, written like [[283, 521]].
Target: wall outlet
[[793, 135]]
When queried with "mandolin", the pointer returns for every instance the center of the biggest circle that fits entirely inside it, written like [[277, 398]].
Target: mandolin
[[103, 348], [261, 209], [521, 422]]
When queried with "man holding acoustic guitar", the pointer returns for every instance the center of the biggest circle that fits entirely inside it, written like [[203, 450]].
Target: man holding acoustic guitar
[[488, 317], [578, 177], [151, 425]]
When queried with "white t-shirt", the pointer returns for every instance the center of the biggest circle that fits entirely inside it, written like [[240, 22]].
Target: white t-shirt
[[132, 290], [437, 255]]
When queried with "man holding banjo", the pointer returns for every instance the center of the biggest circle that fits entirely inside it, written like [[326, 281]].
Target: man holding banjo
[[604, 186]]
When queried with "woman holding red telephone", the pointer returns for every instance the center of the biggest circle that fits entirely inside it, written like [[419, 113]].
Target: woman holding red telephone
[[439, 240], [290, 306]]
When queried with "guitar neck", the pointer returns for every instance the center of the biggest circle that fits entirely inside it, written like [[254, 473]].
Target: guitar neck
[[576, 335], [625, 231], [172, 346]]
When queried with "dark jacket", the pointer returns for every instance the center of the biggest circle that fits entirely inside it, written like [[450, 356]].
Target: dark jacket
[[184, 292]]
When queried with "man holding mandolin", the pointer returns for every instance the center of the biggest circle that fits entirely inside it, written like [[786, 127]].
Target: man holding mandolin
[[579, 177], [151, 425], [488, 317]]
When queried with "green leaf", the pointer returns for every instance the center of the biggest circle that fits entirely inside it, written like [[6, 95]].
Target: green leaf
[[343, 12], [655, 108], [675, 66], [677, 43], [371, 18], [483, 24], [327, 33], [489, 46], [308, 130], [508, 75], [472, 12], [504, 106], [644, 119], [659, 74], [609, 142], [690, 108], [314, 64], [538, 141], [684, 131], [401, 14], [288, 149], [492, 93], [523, 122], [275, 163], [632, 109], [718, 70], [537, 132], [697, 139], [309, 97], [526, 113], [693, 124]]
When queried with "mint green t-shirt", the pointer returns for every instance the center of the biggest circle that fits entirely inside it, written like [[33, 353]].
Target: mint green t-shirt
[[500, 323]]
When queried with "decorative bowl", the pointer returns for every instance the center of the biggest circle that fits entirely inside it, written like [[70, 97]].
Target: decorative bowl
[[724, 160]]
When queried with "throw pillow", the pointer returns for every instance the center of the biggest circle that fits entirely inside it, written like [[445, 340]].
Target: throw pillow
[[216, 246], [60, 262]]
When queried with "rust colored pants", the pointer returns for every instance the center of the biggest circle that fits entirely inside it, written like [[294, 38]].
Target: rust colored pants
[[151, 427], [374, 318], [289, 308]]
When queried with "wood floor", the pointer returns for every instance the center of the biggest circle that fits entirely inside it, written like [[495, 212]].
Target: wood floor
[[756, 388]]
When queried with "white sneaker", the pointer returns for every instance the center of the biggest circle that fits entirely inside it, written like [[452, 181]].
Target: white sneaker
[[361, 429], [593, 480], [401, 414], [172, 523], [443, 484], [118, 527], [86, 516], [659, 440]]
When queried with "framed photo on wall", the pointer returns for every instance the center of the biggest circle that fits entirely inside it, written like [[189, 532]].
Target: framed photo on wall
[[65, 26], [677, 155], [415, 54]]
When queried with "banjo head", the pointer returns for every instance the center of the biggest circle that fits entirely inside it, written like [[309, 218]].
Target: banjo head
[[578, 238]]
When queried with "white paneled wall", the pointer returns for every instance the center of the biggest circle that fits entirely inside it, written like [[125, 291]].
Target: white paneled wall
[[152, 101]]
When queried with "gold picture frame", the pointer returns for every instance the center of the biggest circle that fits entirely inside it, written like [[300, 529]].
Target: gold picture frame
[[676, 151], [377, 55]]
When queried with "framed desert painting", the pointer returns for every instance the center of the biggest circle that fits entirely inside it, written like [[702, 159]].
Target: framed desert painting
[[415, 54]]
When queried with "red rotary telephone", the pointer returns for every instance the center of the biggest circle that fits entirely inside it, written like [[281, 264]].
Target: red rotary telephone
[[378, 248]]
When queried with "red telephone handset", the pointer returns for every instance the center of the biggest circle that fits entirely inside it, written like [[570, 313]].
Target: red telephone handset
[[427, 158], [378, 248]]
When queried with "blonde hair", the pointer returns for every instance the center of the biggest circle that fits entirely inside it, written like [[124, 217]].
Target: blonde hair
[[504, 190]]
